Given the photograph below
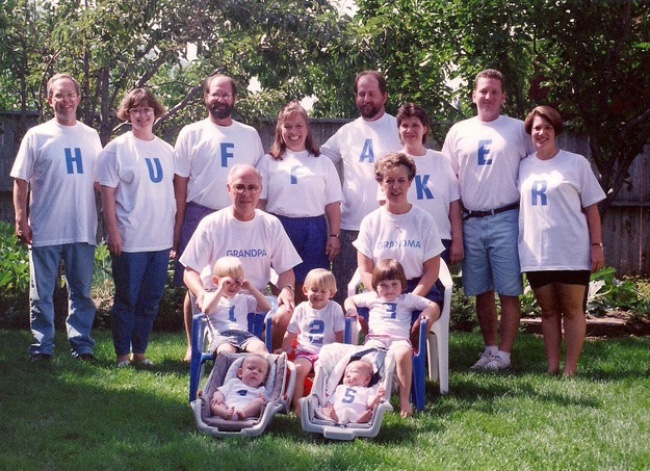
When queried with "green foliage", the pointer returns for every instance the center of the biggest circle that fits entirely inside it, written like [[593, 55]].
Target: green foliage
[[606, 293], [14, 278], [462, 314]]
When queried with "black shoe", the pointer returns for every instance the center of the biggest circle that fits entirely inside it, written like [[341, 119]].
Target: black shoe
[[89, 357], [38, 357]]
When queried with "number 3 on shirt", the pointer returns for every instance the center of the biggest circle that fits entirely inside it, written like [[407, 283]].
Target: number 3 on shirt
[[391, 310]]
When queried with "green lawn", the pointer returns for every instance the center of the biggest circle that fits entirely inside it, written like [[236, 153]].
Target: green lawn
[[73, 415]]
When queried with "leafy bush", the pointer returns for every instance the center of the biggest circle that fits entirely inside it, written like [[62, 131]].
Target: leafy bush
[[606, 293], [14, 279], [462, 315]]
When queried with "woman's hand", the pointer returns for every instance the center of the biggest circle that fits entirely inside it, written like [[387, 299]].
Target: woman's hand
[[597, 258]]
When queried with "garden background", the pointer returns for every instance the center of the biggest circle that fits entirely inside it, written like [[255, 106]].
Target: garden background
[[588, 59]]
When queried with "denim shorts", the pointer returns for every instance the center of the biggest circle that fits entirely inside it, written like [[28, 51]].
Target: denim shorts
[[237, 338], [491, 256]]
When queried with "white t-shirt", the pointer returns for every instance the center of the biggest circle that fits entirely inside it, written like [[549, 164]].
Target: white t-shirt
[[553, 231], [260, 244], [231, 313], [299, 185], [142, 173], [59, 162], [485, 156], [236, 394], [360, 144], [316, 328], [205, 152], [433, 189], [411, 238], [391, 319], [350, 402]]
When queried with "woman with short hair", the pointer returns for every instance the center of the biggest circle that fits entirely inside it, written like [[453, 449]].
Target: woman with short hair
[[560, 240]]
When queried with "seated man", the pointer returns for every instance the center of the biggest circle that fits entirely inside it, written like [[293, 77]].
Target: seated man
[[255, 237]]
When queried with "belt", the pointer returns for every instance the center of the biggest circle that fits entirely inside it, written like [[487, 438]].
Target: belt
[[488, 212]]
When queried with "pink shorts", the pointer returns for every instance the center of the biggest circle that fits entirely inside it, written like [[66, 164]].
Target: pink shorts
[[311, 357]]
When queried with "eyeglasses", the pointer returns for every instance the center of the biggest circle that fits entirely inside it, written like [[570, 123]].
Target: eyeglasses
[[241, 188], [63, 96], [144, 110], [220, 97]]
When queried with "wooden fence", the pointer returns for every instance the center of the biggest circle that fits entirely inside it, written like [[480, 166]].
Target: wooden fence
[[626, 226]]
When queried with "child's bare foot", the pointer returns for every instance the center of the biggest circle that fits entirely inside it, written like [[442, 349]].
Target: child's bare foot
[[406, 411], [188, 355]]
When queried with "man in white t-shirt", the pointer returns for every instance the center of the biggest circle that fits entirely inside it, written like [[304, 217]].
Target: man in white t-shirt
[[255, 237], [357, 145], [204, 153], [55, 165], [485, 152]]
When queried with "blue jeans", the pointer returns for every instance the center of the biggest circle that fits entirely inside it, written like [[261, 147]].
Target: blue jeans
[[140, 279], [78, 260]]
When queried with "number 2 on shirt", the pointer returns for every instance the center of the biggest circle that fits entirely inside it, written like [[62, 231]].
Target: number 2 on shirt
[[316, 329]]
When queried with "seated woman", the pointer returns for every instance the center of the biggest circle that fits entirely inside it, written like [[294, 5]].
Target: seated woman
[[560, 240], [401, 231]]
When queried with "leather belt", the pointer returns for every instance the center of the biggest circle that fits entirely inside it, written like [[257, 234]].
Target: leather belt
[[467, 213]]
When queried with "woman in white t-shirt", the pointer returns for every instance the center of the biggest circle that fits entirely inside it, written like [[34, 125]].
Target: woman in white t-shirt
[[560, 240], [304, 191], [136, 172], [401, 231], [435, 187]]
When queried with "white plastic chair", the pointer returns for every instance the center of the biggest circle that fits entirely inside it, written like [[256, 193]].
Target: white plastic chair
[[438, 343], [438, 338]]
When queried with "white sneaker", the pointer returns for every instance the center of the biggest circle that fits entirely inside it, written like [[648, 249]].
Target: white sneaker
[[497, 364], [483, 360]]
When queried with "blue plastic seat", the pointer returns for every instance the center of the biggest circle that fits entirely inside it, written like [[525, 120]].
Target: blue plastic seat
[[257, 323]]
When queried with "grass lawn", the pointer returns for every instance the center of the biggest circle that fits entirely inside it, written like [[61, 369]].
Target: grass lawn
[[73, 415]]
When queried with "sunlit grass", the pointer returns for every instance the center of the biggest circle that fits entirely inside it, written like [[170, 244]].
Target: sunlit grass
[[73, 415]]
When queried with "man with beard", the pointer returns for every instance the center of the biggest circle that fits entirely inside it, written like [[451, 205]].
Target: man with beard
[[357, 145], [204, 153]]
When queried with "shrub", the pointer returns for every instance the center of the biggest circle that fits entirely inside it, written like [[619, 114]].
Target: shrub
[[14, 280], [606, 293]]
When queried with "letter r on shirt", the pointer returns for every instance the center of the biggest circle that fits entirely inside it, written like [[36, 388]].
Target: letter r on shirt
[[484, 152], [538, 190], [226, 153], [72, 162]]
